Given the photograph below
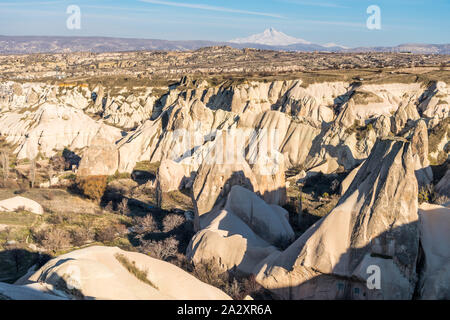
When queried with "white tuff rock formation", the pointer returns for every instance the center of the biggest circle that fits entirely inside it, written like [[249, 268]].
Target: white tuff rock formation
[[241, 234], [111, 273], [21, 203], [51, 127], [434, 236], [374, 223]]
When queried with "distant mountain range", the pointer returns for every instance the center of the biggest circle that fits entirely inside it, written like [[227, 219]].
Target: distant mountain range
[[270, 39], [409, 47]]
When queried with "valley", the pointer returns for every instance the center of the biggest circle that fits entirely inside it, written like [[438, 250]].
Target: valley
[[245, 173]]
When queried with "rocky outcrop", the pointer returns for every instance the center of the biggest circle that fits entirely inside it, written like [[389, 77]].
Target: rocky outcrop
[[419, 147], [224, 165], [363, 118], [374, 100], [436, 101], [100, 158], [443, 186], [341, 145], [176, 134], [373, 224], [21, 203], [111, 273], [276, 131], [50, 128], [117, 107], [313, 101], [405, 113], [298, 142], [172, 176], [187, 116], [217, 175], [434, 236], [241, 234], [382, 126], [138, 145], [270, 222], [345, 184], [269, 172]]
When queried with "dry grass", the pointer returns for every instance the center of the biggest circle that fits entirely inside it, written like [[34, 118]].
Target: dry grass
[[176, 200], [147, 166], [364, 97], [134, 270]]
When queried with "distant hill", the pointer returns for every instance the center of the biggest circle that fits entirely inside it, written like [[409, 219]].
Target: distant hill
[[57, 44], [50, 44], [411, 47]]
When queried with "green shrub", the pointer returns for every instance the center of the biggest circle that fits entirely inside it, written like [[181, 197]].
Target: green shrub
[[425, 194], [361, 131], [69, 176], [148, 166], [118, 175]]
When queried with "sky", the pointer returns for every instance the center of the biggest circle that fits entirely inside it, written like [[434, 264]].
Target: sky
[[323, 21]]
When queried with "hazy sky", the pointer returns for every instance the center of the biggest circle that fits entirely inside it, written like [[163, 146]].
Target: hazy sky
[[323, 21]]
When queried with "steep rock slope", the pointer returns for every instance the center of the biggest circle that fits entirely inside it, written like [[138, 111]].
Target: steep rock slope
[[325, 125], [374, 223], [434, 236]]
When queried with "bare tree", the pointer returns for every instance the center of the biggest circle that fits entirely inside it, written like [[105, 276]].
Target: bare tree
[[50, 173], [162, 250], [33, 172], [196, 215], [16, 255], [172, 221], [123, 207], [4, 159]]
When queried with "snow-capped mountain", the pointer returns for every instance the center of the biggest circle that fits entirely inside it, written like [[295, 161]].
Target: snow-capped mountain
[[271, 37]]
